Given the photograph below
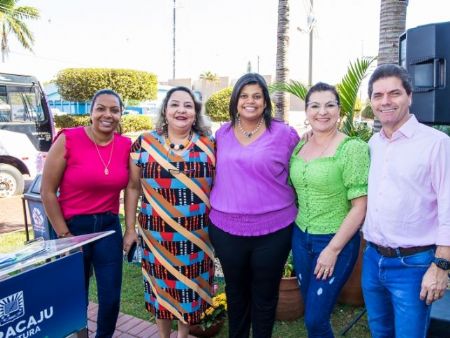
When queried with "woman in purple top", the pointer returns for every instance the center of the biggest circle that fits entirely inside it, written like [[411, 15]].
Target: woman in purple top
[[253, 206]]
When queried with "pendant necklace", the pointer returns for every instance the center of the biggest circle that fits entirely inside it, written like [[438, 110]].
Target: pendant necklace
[[180, 146], [328, 144], [106, 166], [249, 134]]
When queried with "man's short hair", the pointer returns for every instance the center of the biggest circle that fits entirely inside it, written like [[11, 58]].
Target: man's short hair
[[391, 70]]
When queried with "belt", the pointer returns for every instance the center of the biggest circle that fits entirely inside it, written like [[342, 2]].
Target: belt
[[399, 252]]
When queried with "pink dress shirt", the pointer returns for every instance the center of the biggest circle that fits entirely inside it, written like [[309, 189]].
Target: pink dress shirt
[[409, 188]]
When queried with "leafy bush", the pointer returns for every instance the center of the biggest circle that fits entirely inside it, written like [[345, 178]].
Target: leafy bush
[[129, 123], [444, 129], [80, 84], [132, 123], [70, 121], [218, 104]]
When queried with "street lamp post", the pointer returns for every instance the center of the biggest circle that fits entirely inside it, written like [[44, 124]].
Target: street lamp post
[[174, 38], [310, 48]]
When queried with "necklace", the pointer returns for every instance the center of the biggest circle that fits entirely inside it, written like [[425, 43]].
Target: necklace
[[328, 144], [180, 146], [106, 166], [249, 134]]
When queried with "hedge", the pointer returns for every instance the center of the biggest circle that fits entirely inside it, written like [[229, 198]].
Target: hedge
[[80, 84], [217, 106], [129, 123]]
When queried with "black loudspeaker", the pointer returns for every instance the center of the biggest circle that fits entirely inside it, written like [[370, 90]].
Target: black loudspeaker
[[425, 54]]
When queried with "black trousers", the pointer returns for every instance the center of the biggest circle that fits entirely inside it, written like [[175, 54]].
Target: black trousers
[[252, 267]]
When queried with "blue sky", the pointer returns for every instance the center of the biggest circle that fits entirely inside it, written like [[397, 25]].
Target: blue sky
[[212, 35]]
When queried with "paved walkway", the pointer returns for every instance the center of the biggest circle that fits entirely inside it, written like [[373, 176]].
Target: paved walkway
[[126, 327]]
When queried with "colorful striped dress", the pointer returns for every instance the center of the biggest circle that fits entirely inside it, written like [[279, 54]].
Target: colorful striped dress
[[177, 263]]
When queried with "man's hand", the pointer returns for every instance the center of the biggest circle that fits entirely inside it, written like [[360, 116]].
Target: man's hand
[[434, 284]]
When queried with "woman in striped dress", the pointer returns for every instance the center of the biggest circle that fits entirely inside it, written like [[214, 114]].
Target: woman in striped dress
[[174, 167]]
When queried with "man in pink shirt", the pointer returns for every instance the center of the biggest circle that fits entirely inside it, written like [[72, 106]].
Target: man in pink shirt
[[407, 226]]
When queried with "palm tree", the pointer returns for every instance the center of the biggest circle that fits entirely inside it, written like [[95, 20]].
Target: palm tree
[[12, 21], [392, 25], [209, 77], [281, 98], [348, 92]]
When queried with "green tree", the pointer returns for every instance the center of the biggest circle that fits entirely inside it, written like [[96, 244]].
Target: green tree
[[12, 21], [348, 92], [209, 77], [281, 98], [80, 84]]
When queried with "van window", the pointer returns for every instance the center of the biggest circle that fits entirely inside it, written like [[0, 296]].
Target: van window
[[20, 104]]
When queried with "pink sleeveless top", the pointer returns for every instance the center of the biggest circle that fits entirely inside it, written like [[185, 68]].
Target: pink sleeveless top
[[84, 187]]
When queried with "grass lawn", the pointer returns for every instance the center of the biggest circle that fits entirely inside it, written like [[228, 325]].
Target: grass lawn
[[133, 300]]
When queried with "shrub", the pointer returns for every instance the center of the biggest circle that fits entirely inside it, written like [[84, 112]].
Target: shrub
[[217, 106], [80, 84], [129, 123], [70, 121]]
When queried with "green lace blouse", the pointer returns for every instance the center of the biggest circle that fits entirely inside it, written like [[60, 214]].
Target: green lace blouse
[[325, 186]]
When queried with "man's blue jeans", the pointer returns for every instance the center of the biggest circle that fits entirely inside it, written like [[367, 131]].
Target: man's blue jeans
[[320, 295], [106, 256], [391, 288]]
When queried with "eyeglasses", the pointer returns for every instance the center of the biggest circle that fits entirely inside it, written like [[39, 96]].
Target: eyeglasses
[[316, 107]]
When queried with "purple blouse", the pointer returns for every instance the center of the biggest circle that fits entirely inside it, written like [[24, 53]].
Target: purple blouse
[[251, 195]]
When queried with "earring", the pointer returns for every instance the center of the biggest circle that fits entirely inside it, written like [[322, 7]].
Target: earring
[[238, 115], [306, 123]]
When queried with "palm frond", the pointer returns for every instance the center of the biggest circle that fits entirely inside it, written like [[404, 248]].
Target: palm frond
[[295, 88], [349, 86]]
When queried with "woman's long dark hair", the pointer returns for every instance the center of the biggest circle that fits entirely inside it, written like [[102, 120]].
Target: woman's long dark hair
[[250, 78]]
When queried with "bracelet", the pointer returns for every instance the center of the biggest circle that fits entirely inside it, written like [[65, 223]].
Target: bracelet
[[65, 234]]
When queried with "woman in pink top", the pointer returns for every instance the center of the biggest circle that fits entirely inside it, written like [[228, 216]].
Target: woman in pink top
[[89, 166]]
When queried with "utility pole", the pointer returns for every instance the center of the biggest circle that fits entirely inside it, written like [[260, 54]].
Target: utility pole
[[174, 37], [311, 29]]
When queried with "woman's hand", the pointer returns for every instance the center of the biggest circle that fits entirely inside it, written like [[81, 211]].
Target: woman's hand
[[307, 135], [325, 263], [129, 238]]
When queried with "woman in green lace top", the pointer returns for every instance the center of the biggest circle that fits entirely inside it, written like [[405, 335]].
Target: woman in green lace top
[[329, 173]]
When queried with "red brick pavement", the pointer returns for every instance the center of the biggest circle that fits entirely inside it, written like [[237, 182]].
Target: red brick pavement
[[127, 326]]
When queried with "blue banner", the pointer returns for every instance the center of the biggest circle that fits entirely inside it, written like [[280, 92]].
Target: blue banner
[[47, 301]]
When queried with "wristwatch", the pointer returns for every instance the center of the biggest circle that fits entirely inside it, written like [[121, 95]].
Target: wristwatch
[[442, 263]]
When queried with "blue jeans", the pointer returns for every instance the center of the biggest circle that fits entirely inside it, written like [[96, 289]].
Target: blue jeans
[[320, 295], [105, 255], [391, 288]]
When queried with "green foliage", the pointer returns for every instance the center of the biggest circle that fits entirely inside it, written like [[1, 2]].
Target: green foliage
[[215, 313], [348, 91], [444, 129], [70, 121], [129, 123], [367, 111], [132, 123], [295, 88], [12, 21], [209, 76], [217, 106], [80, 84], [288, 270]]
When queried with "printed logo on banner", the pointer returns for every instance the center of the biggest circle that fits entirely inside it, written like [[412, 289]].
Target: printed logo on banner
[[38, 218], [11, 308]]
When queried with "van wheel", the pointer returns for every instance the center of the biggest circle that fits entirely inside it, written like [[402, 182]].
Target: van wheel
[[11, 181]]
